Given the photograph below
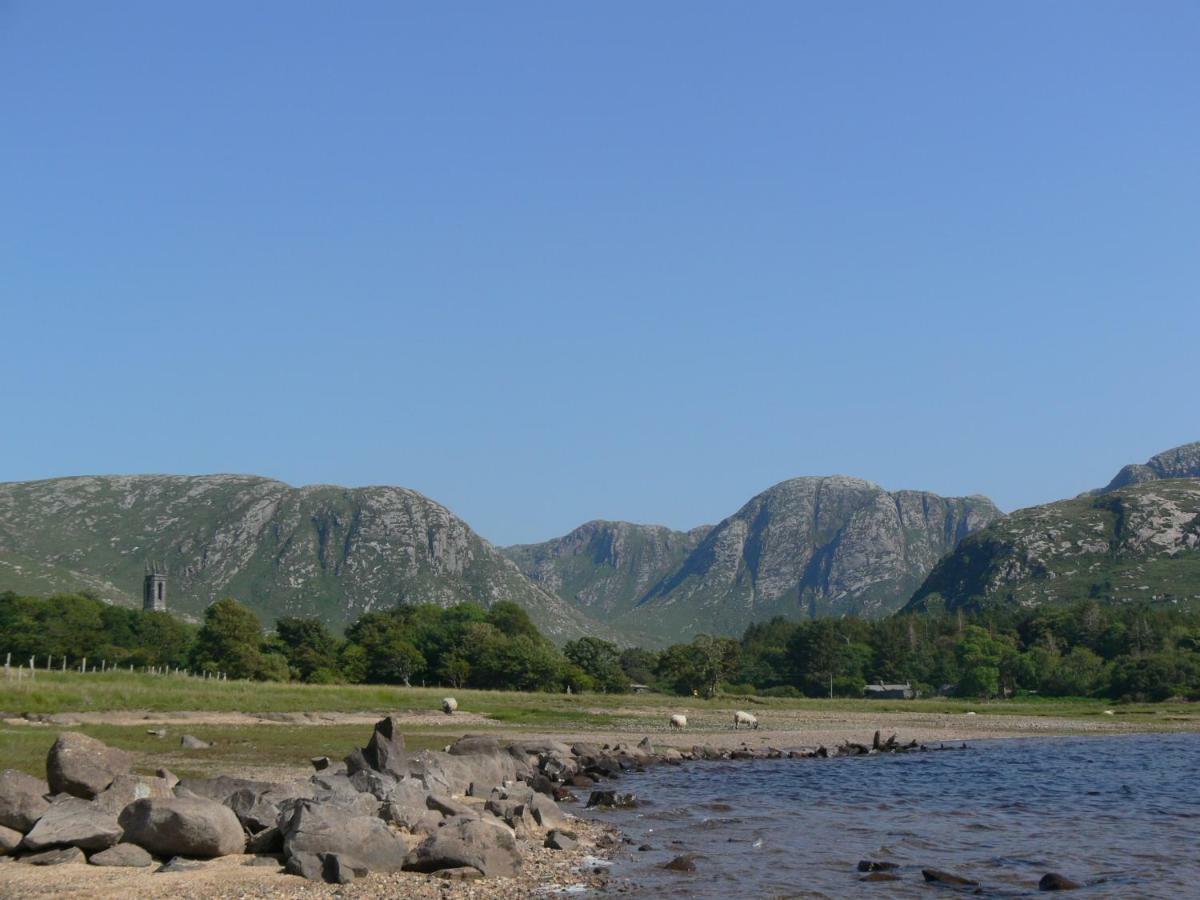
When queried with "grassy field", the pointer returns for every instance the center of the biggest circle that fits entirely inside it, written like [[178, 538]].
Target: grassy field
[[71, 692], [247, 745]]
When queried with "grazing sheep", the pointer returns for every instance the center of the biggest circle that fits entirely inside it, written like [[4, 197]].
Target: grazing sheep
[[678, 721], [744, 718], [449, 705]]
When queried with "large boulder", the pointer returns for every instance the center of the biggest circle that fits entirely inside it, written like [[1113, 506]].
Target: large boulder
[[384, 751], [127, 788], [471, 842], [83, 766], [184, 826], [71, 822], [22, 799], [55, 857], [317, 828]]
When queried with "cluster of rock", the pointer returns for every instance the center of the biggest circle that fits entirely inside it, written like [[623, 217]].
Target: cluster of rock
[[466, 812], [882, 871]]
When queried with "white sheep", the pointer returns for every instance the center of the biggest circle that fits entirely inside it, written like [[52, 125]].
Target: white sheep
[[744, 718], [449, 705], [678, 721]]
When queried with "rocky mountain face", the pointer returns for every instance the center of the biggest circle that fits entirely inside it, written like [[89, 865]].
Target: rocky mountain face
[[322, 551], [604, 568], [1140, 542], [805, 547], [1180, 462]]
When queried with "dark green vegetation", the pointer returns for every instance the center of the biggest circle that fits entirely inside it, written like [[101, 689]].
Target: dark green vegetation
[[463, 646], [1133, 653], [1128, 652], [1131, 545], [326, 552]]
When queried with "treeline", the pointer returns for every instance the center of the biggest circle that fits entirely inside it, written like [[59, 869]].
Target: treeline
[[1132, 652], [463, 646]]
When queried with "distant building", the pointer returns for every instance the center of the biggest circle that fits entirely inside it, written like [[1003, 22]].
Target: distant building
[[154, 589], [883, 691]]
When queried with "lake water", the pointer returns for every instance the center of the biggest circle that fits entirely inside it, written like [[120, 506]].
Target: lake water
[[1121, 815]]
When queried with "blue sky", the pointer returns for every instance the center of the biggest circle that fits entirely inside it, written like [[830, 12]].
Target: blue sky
[[552, 262]]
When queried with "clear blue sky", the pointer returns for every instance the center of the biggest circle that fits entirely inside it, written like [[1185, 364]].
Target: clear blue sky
[[559, 261]]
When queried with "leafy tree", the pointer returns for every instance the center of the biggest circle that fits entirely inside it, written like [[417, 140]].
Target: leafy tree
[[601, 661], [230, 641]]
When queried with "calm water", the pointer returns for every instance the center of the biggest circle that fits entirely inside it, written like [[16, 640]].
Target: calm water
[[1122, 810]]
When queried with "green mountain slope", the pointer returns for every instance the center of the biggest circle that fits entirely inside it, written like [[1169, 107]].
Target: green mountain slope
[[323, 551], [604, 568], [1135, 543]]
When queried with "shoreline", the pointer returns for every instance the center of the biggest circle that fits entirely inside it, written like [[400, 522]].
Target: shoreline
[[544, 872]]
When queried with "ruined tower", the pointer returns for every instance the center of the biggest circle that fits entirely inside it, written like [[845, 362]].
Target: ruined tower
[[154, 588]]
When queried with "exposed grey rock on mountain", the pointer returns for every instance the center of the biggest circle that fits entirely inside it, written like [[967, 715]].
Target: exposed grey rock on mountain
[[1179, 462], [805, 547], [323, 551], [604, 568], [1139, 543]]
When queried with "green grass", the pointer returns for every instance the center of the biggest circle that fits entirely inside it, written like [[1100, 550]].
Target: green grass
[[24, 746], [245, 746]]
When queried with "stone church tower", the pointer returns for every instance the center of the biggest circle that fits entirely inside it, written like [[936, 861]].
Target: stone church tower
[[154, 589]]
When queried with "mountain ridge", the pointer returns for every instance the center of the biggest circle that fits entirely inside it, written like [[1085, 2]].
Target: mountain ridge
[[323, 550]]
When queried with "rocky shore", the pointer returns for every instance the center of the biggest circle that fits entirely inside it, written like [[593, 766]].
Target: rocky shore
[[481, 818]]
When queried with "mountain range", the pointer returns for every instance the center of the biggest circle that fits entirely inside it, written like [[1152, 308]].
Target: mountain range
[[814, 546], [1136, 540]]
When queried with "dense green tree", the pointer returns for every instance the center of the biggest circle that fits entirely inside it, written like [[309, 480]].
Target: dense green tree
[[230, 641], [601, 661]]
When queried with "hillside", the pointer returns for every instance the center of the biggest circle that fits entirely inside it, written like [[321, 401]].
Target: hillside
[[604, 568], [1140, 542], [322, 551], [1178, 462], [805, 547]]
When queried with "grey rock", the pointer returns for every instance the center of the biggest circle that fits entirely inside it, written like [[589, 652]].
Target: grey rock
[[1179, 462], [76, 823], [937, 876], [168, 776], [222, 787], [269, 840], [474, 743], [317, 828], [183, 826], [22, 799], [560, 840], [127, 788], [83, 766], [190, 742], [130, 855], [448, 807], [384, 751], [320, 763], [55, 857], [546, 812], [10, 840], [467, 843], [1052, 881]]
